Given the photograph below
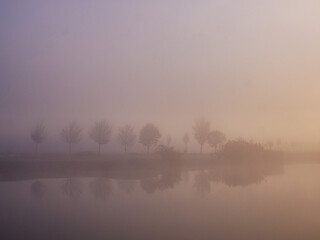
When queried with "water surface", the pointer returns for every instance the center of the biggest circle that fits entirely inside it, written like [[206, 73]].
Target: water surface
[[226, 202]]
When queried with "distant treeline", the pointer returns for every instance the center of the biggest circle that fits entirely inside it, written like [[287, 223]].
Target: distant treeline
[[149, 135]]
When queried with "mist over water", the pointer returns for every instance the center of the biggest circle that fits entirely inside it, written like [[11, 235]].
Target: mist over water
[[159, 119]]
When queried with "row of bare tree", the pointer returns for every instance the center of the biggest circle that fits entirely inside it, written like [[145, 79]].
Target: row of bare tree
[[149, 135]]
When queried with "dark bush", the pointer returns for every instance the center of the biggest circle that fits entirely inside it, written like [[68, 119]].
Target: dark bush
[[167, 152], [240, 150]]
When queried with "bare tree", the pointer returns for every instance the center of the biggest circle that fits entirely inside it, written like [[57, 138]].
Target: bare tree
[[38, 134], [101, 133], [149, 136], [126, 136], [71, 134], [185, 141], [216, 139], [201, 130]]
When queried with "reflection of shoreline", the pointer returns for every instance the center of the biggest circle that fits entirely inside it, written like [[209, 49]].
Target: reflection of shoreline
[[168, 179], [169, 175], [138, 169], [244, 174], [231, 175]]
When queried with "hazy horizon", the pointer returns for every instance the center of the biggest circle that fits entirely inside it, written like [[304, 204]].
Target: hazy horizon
[[249, 67]]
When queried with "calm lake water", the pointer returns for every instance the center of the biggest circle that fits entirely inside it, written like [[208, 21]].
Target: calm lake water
[[225, 203]]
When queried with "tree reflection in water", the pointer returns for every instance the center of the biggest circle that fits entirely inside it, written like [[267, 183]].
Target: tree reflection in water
[[168, 179], [72, 188], [230, 173], [185, 177], [244, 174], [202, 183], [149, 185], [126, 186], [38, 189], [101, 188]]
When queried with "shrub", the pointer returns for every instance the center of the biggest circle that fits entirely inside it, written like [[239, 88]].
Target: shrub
[[240, 150], [167, 152]]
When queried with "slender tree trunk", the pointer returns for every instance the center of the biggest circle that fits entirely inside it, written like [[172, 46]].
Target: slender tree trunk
[[125, 148]]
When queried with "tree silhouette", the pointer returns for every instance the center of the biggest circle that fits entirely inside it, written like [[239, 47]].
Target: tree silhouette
[[149, 136], [38, 134], [216, 139], [71, 134], [201, 130], [126, 136], [185, 141], [101, 133]]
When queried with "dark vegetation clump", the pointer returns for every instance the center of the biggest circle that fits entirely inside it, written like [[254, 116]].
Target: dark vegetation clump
[[167, 152], [242, 151]]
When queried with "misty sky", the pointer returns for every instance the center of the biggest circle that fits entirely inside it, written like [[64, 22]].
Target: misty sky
[[250, 67]]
